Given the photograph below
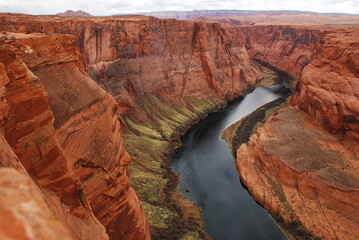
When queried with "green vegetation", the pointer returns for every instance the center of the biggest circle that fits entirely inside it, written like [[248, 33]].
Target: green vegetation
[[150, 145]]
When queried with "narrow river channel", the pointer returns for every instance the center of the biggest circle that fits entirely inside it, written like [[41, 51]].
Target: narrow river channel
[[206, 166]]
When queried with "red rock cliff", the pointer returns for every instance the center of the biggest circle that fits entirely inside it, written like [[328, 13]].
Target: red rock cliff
[[289, 48], [328, 89], [297, 170], [303, 174], [133, 55], [165, 75], [65, 131]]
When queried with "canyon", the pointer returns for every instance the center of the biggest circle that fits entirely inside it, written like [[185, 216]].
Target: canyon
[[89, 104], [299, 159]]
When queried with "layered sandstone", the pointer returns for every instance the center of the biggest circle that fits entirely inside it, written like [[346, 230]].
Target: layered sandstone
[[165, 75], [22, 203], [302, 163], [65, 131], [27, 125], [289, 48], [303, 174], [329, 87]]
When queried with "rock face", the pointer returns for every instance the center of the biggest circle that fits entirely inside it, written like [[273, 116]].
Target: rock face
[[328, 70], [69, 142], [23, 206], [302, 163], [27, 125], [329, 87], [304, 175], [165, 75], [289, 48]]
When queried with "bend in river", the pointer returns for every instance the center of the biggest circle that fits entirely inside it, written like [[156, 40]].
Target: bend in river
[[206, 166]]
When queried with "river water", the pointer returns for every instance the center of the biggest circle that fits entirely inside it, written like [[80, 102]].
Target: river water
[[206, 166]]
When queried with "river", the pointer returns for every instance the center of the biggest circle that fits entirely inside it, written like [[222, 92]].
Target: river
[[206, 166]]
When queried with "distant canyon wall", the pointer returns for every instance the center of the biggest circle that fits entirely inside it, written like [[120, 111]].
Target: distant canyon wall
[[287, 47], [325, 62]]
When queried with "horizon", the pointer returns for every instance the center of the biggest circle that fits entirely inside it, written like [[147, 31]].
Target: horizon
[[194, 10], [114, 7]]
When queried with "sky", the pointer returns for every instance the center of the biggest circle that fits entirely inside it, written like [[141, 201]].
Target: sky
[[111, 7]]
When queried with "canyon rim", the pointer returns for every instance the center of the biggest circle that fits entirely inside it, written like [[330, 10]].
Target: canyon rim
[[93, 108]]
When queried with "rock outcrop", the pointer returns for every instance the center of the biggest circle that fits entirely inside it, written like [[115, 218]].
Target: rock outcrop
[[302, 163], [27, 125], [289, 48], [304, 175], [65, 131], [329, 86]]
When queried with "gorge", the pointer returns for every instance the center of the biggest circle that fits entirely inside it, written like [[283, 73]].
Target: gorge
[[81, 98], [207, 168]]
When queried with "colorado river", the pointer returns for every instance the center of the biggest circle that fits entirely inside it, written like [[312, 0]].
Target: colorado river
[[206, 166]]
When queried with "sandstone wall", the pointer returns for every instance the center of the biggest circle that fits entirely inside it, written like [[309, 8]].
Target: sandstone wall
[[307, 176], [329, 86], [289, 48], [165, 75], [64, 130], [304, 175]]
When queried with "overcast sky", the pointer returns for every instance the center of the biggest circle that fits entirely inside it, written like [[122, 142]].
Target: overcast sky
[[110, 7]]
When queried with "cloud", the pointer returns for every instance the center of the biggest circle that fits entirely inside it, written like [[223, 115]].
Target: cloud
[[108, 7]]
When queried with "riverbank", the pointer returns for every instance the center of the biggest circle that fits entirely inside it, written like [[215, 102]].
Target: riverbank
[[169, 214], [207, 167], [287, 168]]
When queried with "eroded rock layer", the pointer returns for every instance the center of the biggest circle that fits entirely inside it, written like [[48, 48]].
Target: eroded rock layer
[[304, 175], [302, 164], [289, 48], [329, 87], [165, 75], [65, 131]]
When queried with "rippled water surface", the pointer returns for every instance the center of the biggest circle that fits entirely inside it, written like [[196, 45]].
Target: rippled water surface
[[206, 166]]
